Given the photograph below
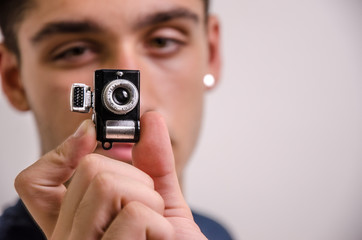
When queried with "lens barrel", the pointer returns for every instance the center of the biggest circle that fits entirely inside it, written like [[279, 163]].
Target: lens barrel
[[120, 96]]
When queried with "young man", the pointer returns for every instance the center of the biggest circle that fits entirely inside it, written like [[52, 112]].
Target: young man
[[77, 190]]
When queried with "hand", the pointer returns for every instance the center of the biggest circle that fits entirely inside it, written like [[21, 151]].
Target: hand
[[108, 199]]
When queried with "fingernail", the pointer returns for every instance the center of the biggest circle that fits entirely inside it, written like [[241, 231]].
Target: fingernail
[[82, 129]]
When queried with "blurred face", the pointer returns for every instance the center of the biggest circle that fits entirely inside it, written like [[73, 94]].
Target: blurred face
[[63, 41]]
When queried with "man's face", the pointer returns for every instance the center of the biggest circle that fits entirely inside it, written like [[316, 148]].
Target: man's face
[[63, 41]]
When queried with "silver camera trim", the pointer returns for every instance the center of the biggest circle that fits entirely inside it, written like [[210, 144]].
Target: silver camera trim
[[87, 99], [116, 129], [111, 105]]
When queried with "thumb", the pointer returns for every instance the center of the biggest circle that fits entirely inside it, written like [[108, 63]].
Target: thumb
[[153, 154], [41, 186]]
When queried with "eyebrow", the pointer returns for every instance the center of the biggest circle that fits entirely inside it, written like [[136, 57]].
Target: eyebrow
[[88, 26], [66, 27], [165, 16]]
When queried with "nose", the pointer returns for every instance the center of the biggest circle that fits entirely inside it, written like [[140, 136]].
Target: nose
[[124, 57]]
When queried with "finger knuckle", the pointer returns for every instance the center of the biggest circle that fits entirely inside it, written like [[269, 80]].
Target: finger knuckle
[[134, 210], [149, 181], [62, 150], [103, 184], [169, 232], [159, 203], [21, 181], [89, 166]]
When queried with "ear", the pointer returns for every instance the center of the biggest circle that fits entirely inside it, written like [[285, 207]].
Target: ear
[[10, 79], [213, 38]]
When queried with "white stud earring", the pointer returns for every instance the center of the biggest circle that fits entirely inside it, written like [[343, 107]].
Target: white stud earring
[[209, 80]]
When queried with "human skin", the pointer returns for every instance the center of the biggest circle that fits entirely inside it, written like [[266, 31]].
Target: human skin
[[172, 53]]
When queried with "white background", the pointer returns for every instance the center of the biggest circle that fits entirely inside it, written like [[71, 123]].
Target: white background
[[280, 155]]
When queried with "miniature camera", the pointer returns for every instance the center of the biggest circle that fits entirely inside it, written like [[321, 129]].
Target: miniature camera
[[115, 102]]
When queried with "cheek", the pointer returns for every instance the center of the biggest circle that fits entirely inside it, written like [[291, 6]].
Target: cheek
[[186, 114], [180, 100], [50, 89], [181, 78], [48, 96], [187, 94]]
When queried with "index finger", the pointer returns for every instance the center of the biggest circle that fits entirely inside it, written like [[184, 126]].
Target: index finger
[[41, 186]]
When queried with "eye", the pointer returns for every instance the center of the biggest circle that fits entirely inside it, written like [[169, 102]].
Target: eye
[[165, 42], [161, 42], [74, 54]]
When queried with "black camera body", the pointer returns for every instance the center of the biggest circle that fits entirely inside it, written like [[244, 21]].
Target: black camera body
[[115, 102]]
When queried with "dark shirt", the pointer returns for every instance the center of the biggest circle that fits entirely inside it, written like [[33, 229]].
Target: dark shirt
[[17, 224]]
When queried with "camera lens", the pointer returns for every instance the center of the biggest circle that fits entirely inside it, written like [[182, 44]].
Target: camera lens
[[121, 96]]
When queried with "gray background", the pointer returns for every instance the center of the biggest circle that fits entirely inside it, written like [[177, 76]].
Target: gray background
[[280, 153]]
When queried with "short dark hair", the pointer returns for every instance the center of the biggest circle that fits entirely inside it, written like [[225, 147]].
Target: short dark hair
[[12, 13]]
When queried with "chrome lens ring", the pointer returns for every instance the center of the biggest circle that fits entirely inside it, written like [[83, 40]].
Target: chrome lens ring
[[109, 102]]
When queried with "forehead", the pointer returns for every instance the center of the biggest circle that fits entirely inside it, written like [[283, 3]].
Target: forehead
[[106, 10], [113, 15]]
